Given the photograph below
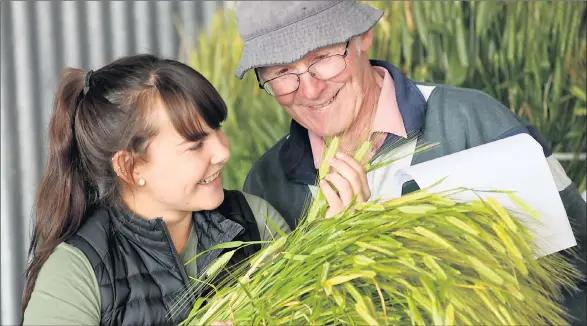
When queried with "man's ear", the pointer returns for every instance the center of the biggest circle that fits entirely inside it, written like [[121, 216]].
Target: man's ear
[[125, 167], [367, 40]]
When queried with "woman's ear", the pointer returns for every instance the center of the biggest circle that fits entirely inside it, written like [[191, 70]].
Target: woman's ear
[[124, 167]]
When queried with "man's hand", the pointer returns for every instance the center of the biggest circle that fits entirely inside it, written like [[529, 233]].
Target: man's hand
[[222, 323], [349, 178]]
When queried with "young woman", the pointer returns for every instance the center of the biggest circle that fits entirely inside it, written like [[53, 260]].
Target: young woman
[[131, 191]]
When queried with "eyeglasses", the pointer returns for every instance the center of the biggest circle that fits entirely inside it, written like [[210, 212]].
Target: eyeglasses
[[324, 69]]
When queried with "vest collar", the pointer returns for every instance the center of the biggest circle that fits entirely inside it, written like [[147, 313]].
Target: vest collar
[[211, 228]]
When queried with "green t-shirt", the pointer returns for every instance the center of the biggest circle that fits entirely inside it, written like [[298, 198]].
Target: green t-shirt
[[67, 292]]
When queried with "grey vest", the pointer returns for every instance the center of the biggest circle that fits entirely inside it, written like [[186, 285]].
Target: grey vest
[[140, 274]]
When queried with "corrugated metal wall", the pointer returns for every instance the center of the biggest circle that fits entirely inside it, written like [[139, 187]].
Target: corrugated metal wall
[[39, 39]]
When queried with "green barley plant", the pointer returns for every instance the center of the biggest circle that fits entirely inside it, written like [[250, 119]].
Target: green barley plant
[[577, 68], [419, 259], [422, 258]]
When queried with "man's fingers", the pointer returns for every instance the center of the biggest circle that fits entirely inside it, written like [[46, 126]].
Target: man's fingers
[[349, 179], [355, 173], [222, 323], [343, 186], [351, 162], [332, 198], [345, 190], [348, 173]]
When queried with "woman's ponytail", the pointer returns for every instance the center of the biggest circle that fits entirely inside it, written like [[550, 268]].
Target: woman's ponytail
[[61, 197]]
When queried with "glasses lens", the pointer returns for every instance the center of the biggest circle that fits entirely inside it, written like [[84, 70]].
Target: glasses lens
[[329, 67], [282, 85]]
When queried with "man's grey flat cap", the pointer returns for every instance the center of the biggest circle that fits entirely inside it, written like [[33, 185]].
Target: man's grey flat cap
[[281, 32]]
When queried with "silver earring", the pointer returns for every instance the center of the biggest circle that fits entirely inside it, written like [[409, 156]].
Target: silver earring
[[142, 182]]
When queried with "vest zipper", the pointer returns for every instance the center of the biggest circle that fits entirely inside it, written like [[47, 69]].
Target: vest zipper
[[178, 262], [176, 257]]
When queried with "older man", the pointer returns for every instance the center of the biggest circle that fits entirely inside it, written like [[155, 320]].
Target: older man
[[312, 57]]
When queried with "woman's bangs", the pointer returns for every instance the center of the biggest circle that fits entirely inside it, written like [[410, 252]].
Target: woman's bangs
[[184, 116], [189, 104]]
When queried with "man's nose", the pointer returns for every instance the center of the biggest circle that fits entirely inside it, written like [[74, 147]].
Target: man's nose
[[311, 87]]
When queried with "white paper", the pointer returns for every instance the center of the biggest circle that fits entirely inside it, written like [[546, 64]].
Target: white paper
[[381, 191], [516, 163]]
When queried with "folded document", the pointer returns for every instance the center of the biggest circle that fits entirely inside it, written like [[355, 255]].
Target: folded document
[[516, 164]]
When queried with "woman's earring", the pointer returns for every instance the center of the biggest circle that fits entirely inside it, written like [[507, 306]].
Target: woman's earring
[[142, 182]]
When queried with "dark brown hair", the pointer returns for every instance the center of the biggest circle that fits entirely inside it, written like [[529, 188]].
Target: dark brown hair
[[89, 126]]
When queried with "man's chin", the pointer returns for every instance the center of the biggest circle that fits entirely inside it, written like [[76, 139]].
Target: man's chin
[[324, 127], [329, 132]]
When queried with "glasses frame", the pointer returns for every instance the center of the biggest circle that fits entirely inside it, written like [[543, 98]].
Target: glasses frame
[[343, 55]]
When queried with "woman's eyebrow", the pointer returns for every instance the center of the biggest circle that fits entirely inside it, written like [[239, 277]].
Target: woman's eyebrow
[[193, 138]]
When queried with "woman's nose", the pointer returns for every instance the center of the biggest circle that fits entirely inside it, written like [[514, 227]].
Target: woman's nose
[[220, 148]]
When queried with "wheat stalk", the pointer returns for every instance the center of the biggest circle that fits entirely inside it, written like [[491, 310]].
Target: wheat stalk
[[418, 259]]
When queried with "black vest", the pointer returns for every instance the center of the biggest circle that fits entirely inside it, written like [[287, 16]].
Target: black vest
[[141, 277]]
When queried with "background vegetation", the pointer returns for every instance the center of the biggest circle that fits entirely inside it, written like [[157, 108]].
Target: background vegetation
[[528, 55]]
